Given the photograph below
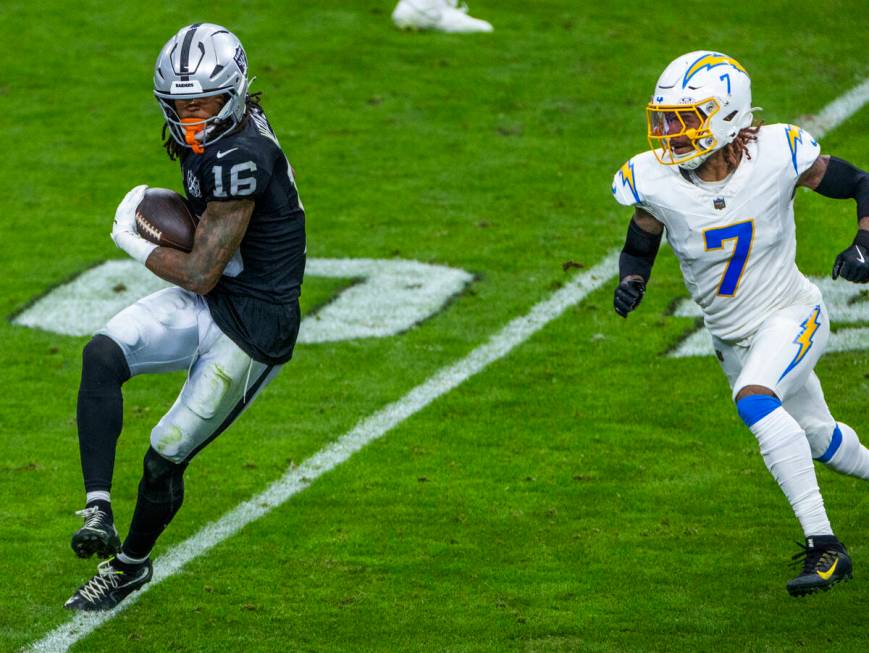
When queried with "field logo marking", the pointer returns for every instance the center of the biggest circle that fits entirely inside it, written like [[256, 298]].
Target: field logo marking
[[392, 296]]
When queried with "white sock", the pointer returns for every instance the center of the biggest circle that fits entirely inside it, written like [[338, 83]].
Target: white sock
[[788, 457], [846, 455], [127, 560], [98, 495]]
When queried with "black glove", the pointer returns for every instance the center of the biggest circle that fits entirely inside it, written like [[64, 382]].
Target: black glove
[[853, 263], [628, 295]]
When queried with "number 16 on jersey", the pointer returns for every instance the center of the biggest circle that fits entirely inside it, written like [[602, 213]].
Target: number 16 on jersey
[[743, 234], [238, 185]]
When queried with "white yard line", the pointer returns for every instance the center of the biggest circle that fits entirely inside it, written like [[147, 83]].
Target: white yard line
[[838, 111], [378, 424], [298, 478]]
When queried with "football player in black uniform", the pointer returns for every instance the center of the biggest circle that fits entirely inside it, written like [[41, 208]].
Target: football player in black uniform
[[231, 320]]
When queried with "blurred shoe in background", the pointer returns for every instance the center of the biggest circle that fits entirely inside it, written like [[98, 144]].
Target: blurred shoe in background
[[439, 15]]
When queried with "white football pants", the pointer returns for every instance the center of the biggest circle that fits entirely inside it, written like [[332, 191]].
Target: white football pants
[[781, 356], [172, 330]]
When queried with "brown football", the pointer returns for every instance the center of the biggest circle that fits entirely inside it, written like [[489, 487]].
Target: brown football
[[163, 218]]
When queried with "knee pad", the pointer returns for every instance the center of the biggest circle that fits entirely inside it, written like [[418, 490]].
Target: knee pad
[[169, 437], [163, 480], [103, 362]]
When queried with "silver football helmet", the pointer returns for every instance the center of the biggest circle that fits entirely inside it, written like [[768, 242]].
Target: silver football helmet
[[202, 60]]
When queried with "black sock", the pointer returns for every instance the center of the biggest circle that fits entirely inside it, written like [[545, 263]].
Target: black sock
[[100, 410], [161, 493], [150, 519]]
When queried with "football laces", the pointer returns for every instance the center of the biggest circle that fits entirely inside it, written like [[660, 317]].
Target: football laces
[[143, 225]]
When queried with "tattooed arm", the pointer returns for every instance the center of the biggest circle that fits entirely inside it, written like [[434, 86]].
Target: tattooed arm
[[218, 236]]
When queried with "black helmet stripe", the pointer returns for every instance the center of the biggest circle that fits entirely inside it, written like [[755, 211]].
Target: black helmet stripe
[[185, 52]]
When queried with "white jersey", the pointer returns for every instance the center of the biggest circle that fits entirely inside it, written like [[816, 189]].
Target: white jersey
[[735, 240]]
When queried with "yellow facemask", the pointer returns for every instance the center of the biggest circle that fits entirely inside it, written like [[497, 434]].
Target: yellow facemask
[[668, 121]]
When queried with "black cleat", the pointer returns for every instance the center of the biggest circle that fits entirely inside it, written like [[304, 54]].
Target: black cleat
[[109, 587], [98, 535], [826, 563]]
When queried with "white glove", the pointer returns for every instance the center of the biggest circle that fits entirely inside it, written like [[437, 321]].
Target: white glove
[[124, 231]]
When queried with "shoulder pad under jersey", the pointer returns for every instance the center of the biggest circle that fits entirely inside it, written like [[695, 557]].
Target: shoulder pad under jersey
[[796, 146], [636, 178]]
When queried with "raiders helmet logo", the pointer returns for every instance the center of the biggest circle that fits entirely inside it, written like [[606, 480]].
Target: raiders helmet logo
[[241, 60]]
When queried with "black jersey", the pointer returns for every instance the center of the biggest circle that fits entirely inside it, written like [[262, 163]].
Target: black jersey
[[256, 301]]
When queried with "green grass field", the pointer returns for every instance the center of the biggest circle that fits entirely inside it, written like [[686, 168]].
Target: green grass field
[[584, 493]]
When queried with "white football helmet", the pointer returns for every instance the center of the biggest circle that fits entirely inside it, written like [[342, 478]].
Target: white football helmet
[[701, 102], [202, 60]]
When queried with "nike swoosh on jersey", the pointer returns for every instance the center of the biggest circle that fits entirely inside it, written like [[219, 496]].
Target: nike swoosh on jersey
[[826, 574], [220, 155]]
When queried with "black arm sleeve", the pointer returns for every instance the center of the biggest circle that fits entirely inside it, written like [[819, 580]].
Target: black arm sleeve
[[639, 252], [843, 180]]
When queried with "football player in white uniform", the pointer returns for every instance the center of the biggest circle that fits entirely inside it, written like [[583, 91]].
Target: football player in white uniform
[[724, 190]]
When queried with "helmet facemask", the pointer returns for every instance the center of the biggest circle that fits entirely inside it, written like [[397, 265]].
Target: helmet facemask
[[684, 127], [197, 133]]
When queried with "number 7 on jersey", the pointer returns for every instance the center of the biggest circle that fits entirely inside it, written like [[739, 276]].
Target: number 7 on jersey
[[743, 234]]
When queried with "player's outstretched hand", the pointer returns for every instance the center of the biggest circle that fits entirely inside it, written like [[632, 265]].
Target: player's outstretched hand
[[853, 263], [628, 295], [124, 231]]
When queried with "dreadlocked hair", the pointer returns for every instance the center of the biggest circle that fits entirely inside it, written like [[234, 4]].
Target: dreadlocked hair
[[253, 101], [734, 150]]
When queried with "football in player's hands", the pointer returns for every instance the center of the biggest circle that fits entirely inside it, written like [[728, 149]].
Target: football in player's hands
[[164, 219]]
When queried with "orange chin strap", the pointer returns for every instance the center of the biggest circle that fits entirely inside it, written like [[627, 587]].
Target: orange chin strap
[[192, 127]]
